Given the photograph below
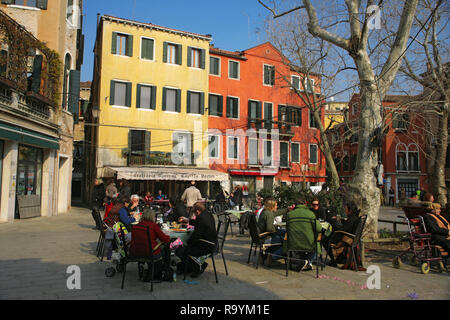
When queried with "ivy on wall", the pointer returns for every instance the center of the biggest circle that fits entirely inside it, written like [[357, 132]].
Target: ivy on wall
[[22, 46]]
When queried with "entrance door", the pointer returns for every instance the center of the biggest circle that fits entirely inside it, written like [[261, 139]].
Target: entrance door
[[410, 186]]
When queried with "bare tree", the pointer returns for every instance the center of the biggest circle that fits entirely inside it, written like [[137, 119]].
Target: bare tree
[[354, 42], [427, 64]]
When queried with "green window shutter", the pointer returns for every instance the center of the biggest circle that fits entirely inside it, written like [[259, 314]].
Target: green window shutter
[[130, 45], [280, 112], [272, 75], [189, 57], [235, 108], [147, 49], [114, 43], [74, 93], [179, 54], [147, 146], [153, 101], [128, 95], [299, 116], [138, 96], [258, 110], [203, 59], [229, 114], [188, 104], [178, 102], [164, 99], [202, 103], [164, 51], [7, 1], [220, 106], [36, 79], [41, 4], [130, 140], [112, 92]]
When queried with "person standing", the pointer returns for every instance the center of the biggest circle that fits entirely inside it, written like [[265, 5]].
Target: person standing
[[391, 196], [111, 190], [191, 195]]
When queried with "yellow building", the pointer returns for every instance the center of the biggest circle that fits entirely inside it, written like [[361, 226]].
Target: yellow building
[[334, 113], [150, 87]]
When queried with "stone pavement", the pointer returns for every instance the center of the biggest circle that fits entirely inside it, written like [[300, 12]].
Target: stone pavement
[[36, 253]]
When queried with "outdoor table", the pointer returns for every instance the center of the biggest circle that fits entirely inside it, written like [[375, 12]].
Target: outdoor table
[[236, 213], [183, 235]]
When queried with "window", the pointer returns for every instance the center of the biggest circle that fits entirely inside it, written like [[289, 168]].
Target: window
[[41, 4], [195, 102], [196, 58], [233, 151], [147, 46], [213, 146], [400, 121], [295, 82], [120, 94], [233, 107], [146, 97], [284, 154], [69, 11], [233, 70], [172, 53], [309, 84], [182, 145], [313, 156], [267, 155], [295, 152], [137, 142], [215, 105], [214, 66], [407, 157], [268, 115], [122, 44], [254, 109], [295, 115], [312, 120], [269, 75], [252, 151], [171, 100], [355, 108]]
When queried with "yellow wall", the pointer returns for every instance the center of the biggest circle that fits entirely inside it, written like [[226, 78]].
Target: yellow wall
[[112, 139], [335, 112]]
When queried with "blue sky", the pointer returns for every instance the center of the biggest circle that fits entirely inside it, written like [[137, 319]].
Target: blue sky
[[233, 24]]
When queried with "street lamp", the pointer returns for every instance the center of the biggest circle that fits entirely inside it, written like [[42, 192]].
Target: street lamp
[[95, 112]]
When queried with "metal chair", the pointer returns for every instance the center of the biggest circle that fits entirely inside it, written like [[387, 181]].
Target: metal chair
[[296, 234], [356, 242], [139, 231], [258, 239]]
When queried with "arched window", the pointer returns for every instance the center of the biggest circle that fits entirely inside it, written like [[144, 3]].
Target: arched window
[[67, 64], [407, 157], [401, 151]]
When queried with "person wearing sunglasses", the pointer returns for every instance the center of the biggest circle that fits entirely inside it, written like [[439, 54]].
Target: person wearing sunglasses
[[319, 212]]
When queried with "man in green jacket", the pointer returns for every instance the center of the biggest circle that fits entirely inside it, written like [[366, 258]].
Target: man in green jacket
[[300, 234]]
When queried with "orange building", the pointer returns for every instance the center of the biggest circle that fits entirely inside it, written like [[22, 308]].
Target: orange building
[[260, 131], [404, 164]]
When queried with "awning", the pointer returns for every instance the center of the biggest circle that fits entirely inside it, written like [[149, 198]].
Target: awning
[[22, 135], [165, 173]]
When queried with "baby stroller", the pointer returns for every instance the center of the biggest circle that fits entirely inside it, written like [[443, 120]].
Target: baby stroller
[[424, 253]]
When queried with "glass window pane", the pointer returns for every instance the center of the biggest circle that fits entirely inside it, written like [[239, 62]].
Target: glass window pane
[[252, 151], [146, 93], [120, 92], [213, 146], [312, 153], [213, 105], [295, 152], [214, 65], [171, 97], [195, 102]]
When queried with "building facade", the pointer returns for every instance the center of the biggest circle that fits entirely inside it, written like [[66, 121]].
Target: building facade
[[260, 131], [401, 148], [149, 86], [37, 141]]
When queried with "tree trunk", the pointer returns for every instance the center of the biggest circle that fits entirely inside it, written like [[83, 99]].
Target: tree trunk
[[438, 187], [363, 188]]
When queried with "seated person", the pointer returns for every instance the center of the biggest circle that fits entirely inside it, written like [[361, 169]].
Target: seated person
[[438, 226], [318, 211], [338, 239], [134, 206], [148, 199], [266, 224], [177, 210], [139, 241], [160, 195], [204, 228], [124, 213], [304, 235], [428, 200]]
